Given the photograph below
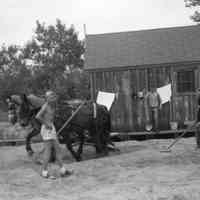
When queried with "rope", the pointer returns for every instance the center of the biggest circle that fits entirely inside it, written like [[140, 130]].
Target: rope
[[95, 110], [70, 118], [179, 137]]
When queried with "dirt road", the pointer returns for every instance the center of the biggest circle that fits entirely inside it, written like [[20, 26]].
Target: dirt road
[[139, 171]]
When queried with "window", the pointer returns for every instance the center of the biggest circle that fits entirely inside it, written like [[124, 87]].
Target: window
[[185, 81]]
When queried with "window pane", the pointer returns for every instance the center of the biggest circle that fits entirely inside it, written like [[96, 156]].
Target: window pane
[[185, 81]]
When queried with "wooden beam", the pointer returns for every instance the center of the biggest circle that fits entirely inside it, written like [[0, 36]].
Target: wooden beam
[[164, 132], [145, 66]]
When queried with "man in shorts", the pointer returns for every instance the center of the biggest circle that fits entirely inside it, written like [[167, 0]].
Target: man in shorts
[[49, 136], [154, 104]]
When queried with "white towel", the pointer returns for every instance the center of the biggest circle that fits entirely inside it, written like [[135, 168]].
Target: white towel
[[165, 93], [106, 99]]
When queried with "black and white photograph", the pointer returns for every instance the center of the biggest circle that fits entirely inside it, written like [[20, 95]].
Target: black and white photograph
[[100, 100]]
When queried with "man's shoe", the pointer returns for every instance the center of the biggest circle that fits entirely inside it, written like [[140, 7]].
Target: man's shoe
[[66, 173], [45, 174]]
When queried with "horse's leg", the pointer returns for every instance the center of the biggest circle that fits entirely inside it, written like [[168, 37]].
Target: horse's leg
[[80, 149], [29, 149], [70, 142], [70, 148], [104, 140], [97, 140]]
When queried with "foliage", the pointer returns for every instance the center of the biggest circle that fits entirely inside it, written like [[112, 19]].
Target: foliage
[[57, 53], [14, 74], [194, 3], [53, 59]]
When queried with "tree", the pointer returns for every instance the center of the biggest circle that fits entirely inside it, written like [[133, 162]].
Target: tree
[[11, 60], [56, 53], [194, 3], [55, 49], [51, 60], [13, 72]]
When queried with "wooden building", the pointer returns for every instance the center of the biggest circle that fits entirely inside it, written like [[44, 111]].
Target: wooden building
[[131, 62]]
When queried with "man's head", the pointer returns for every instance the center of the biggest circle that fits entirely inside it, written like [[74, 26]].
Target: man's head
[[51, 96], [153, 89], [8, 99]]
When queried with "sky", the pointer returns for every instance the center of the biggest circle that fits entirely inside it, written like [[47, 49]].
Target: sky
[[18, 17]]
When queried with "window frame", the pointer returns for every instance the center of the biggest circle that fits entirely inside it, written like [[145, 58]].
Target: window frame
[[192, 82]]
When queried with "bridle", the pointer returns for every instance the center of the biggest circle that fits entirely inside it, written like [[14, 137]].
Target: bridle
[[30, 109]]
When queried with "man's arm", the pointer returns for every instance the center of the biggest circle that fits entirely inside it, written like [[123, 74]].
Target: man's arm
[[40, 116]]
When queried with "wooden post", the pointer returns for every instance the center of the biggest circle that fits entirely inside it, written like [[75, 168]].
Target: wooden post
[[130, 110], [171, 100], [91, 85], [146, 80]]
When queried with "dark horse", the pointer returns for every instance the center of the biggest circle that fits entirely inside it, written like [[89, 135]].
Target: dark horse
[[91, 123]]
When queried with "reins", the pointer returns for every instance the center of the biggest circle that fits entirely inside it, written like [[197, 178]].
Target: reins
[[70, 118]]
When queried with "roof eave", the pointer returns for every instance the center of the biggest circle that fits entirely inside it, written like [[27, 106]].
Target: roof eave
[[123, 68]]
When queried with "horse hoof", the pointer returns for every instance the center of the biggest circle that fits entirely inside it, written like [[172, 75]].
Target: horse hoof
[[78, 159], [106, 154], [99, 155], [30, 153]]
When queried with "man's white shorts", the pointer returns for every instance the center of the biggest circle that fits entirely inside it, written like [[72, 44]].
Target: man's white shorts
[[48, 134]]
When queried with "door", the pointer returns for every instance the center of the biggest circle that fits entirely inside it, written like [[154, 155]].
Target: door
[[159, 77], [184, 95]]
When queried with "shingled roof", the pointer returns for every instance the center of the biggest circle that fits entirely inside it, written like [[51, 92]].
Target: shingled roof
[[146, 47]]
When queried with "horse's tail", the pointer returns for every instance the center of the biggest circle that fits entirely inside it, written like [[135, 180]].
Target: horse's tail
[[108, 124], [105, 120]]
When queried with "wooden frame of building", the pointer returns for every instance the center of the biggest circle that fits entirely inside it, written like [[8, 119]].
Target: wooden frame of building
[[129, 63]]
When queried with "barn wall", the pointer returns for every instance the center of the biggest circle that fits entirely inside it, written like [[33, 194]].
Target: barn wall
[[184, 105], [128, 111]]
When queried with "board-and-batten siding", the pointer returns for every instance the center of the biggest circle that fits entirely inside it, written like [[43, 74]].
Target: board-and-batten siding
[[128, 112]]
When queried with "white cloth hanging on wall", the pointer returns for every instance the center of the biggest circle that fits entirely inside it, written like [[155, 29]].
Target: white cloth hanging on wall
[[106, 99], [165, 93]]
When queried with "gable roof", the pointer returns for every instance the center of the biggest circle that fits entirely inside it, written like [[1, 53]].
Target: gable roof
[[146, 47]]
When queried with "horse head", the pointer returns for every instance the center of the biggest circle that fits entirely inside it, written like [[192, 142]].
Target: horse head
[[12, 110], [24, 111]]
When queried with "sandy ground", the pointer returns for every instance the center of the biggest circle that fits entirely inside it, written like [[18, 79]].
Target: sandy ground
[[139, 171]]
